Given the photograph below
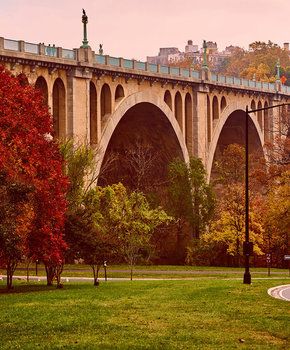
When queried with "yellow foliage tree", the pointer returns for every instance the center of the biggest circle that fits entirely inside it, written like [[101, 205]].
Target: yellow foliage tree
[[259, 61], [277, 216], [262, 72]]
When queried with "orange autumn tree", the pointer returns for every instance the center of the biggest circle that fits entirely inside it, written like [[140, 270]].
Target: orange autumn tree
[[32, 183], [227, 233]]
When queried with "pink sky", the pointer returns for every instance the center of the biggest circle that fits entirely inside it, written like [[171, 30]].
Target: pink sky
[[137, 28]]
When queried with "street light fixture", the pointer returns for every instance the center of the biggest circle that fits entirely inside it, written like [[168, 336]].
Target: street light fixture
[[248, 246]]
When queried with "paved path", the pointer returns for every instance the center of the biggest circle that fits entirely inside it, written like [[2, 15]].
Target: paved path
[[280, 292], [118, 279], [161, 272]]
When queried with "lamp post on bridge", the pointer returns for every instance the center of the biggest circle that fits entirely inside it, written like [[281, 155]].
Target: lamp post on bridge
[[85, 22], [248, 246]]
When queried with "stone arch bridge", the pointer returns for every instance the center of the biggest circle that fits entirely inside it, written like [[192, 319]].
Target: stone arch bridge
[[114, 101]]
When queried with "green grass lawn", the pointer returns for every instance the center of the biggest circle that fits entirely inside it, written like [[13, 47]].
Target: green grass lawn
[[201, 314], [157, 271]]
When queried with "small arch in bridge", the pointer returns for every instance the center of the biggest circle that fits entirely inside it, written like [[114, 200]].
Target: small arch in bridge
[[223, 103], [260, 115], [93, 114], [253, 105], [188, 123], [106, 100], [58, 106], [208, 119], [267, 125], [119, 93], [215, 108], [41, 85], [178, 108], [168, 99]]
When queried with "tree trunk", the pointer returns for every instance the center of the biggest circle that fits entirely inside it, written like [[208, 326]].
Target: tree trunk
[[50, 273], [27, 271], [96, 269], [131, 274], [11, 266], [58, 272], [9, 279]]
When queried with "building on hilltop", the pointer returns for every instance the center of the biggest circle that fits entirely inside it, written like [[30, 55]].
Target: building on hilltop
[[287, 48], [164, 53], [192, 53]]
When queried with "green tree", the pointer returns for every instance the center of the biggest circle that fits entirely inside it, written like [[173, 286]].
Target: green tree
[[131, 219], [88, 235], [82, 170], [191, 200]]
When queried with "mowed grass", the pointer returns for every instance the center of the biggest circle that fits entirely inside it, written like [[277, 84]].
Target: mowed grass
[[201, 314], [156, 271]]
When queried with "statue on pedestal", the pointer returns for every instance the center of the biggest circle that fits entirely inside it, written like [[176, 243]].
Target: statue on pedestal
[[85, 22]]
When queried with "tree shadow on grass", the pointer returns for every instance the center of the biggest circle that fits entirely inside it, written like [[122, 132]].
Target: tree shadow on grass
[[33, 287]]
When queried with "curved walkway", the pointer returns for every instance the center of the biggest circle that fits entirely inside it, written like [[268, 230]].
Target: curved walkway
[[280, 292]]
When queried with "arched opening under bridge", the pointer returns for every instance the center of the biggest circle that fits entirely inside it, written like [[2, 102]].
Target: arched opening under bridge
[[233, 132], [140, 149]]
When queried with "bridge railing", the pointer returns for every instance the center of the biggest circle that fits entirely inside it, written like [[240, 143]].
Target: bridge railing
[[31, 48], [128, 64], [39, 49], [285, 89], [146, 67], [58, 52], [11, 45], [247, 83], [69, 54]]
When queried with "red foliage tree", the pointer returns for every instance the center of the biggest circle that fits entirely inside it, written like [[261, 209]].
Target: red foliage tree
[[29, 154]]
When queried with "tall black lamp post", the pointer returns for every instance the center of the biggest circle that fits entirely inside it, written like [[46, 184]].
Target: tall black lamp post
[[248, 246]]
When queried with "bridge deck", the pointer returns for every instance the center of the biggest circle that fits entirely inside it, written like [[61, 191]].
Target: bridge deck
[[58, 55]]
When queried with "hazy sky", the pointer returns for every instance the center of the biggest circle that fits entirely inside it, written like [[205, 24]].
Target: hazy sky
[[137, 28]]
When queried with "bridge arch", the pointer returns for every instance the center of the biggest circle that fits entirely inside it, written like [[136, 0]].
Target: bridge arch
[[208, 117], [59, 108], [189, 122], [234, 118], [178, 108], [223, 103], [215, 108], [267, 124], [106, 101], [253, 105], [119, 93], [158, 123], [93, 114], [41, 85], [168, 99], [260, 115]]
